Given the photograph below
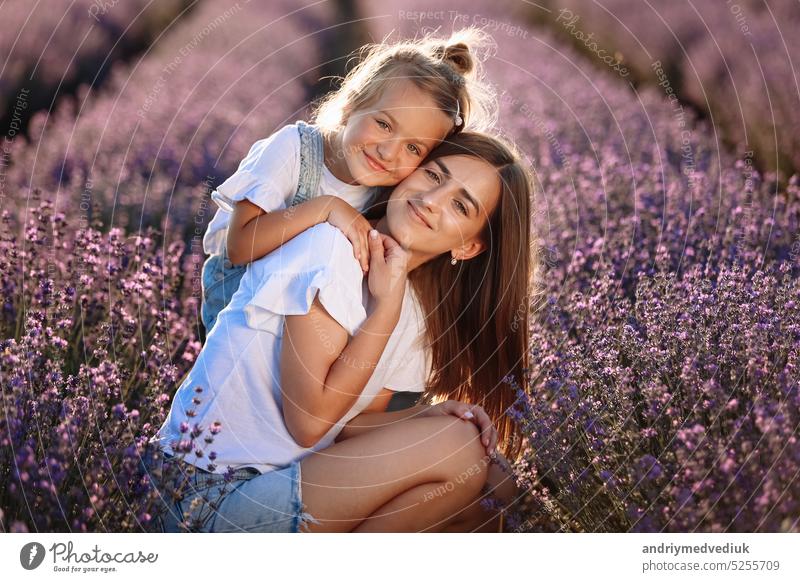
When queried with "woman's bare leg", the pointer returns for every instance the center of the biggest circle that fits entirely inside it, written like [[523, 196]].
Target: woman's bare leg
[[473, 518], [407, 476], [501, 484], [435, 505]]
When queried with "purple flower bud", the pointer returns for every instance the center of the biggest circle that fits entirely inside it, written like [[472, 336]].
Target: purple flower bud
[[119, 411]]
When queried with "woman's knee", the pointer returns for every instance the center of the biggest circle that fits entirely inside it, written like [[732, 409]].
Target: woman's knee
[[465, 456]]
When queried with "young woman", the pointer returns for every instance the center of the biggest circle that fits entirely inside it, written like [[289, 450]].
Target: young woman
[[306, 345]]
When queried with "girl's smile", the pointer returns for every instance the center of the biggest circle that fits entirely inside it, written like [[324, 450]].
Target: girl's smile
[[375, 165], [383, 143]]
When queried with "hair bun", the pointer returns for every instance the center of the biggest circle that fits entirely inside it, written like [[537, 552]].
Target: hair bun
[[459, 57], [466, 49]]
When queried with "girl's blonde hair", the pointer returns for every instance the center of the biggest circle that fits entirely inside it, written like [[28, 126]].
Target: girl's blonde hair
[[449, 70]]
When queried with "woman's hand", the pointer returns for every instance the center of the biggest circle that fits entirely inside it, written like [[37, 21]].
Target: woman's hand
[[354, 226], [471, 412], [388, 269]]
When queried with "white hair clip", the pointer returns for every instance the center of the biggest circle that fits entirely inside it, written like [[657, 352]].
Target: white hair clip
[[458, 121]]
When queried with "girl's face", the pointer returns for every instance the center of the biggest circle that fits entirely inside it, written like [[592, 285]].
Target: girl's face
[[443, 206], [385, 142]]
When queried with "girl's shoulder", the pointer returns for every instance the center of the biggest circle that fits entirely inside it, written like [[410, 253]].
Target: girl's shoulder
[[275, 158], [283, 142]]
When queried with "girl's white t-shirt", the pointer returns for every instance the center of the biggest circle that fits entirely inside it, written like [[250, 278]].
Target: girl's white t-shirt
[[239, 365], [269, 176]]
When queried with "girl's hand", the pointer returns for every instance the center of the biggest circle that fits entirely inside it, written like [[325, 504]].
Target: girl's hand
[[471, 412], [388, 268], [354, 226]]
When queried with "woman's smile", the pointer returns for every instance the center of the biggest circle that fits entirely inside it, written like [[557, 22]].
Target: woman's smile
[[416, 215]]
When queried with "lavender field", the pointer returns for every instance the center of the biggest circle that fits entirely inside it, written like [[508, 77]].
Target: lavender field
[[47, 53], [734, 61], [666, 318]]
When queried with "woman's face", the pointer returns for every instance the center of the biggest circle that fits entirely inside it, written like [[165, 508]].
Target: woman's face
[[443, 205]]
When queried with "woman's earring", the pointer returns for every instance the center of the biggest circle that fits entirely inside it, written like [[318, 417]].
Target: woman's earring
[[453, 261]]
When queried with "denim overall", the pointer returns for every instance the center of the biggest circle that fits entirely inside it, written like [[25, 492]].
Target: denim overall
[[221, 278]]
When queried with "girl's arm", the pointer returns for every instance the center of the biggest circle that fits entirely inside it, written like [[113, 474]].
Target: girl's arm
[[322, 373], [254, 233]]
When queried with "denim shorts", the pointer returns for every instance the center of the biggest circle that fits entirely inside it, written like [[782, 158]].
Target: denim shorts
[[249, 502]]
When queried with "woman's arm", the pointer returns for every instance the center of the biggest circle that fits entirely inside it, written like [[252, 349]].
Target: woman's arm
[[366, 421], [380, 402], [322, 373], [254, 233]]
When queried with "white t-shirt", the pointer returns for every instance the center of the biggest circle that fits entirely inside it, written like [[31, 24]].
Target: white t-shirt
[[268, 177], [239, 365]]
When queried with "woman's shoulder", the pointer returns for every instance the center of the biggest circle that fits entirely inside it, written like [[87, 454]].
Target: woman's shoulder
[[328, 241], [413, 324], [287, 280], [323, 233], [412, 316], [321, 246]]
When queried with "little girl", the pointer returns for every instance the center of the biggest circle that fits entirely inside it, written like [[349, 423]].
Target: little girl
[[392, 109]]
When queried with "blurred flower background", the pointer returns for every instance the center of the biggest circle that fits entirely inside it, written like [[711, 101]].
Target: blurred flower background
[[665, 331]]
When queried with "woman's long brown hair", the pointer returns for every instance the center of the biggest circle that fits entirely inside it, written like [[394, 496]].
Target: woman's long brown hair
[[477, 312]]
